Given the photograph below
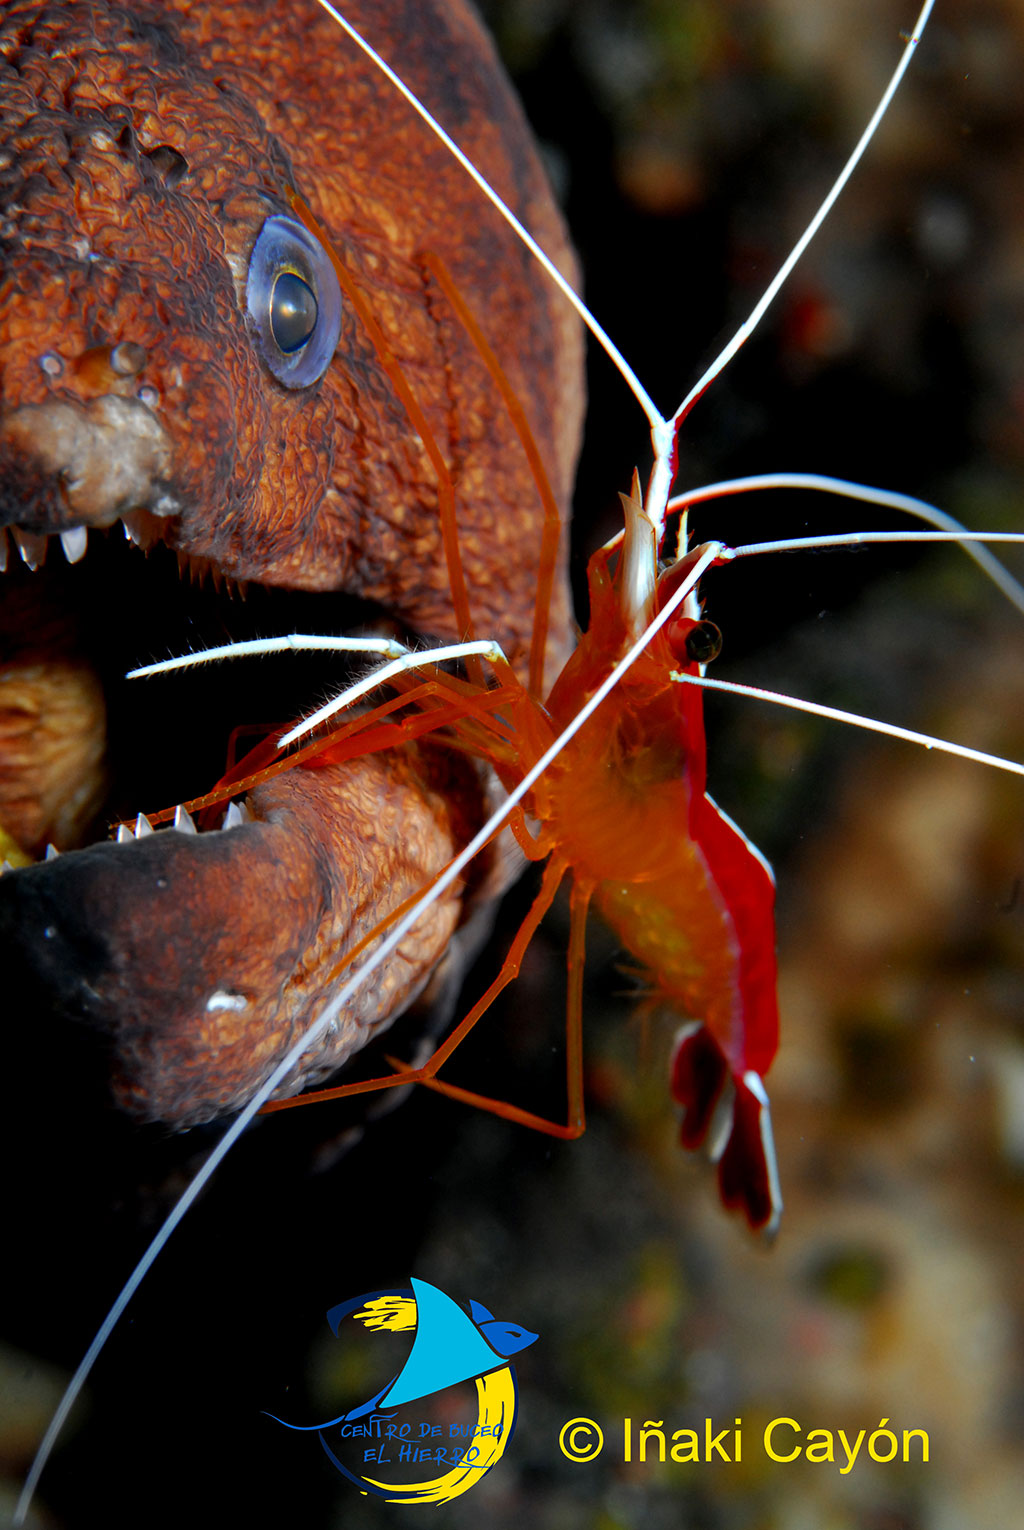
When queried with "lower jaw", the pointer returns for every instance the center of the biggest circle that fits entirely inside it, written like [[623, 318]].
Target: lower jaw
[[195, 957]]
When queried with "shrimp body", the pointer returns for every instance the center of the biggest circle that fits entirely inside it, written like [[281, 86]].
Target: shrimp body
[[688, 896], [613, 776]]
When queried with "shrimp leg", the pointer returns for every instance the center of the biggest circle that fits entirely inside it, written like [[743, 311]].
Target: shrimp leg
[[427, 1072], [575, 1123]]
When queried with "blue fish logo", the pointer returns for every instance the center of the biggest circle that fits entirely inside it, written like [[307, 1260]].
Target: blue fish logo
[[450, 1346]]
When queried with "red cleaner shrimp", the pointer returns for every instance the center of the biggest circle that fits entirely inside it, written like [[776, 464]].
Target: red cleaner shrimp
[[640, 649], [600, 809]]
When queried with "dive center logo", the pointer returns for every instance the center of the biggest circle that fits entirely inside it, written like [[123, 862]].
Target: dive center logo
[[451, 1406]]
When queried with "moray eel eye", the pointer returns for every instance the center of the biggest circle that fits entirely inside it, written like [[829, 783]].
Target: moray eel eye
[[294, 302], [293, 312]]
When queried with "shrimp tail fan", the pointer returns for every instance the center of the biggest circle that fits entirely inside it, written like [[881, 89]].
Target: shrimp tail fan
[[718, 1069], [730, 1118]]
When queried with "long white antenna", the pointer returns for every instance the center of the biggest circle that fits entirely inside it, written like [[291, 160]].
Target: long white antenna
[[664, 436], [607, 344], [663, 431], [771, 292], [886, 498]]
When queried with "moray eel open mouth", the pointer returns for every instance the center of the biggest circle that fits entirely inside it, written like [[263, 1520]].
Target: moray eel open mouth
[[195, 953], [177, 363]]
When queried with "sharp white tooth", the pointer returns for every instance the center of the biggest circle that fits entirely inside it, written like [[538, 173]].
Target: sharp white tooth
[[74, 542], [124, 834], [6, 867], [31, 545], [235, 1002], [52, 852], [247, 817], [3, 550], [233, 817], [183, 821], [133, 531], [142, 826]]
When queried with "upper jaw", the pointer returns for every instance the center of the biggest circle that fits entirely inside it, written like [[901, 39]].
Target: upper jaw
[[68, 467]]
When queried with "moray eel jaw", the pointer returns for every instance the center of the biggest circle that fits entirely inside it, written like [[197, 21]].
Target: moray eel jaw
[[148, 155], [83, 466], [199, 957]]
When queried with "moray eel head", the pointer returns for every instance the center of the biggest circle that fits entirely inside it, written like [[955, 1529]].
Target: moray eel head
[[177, 363], [133, 192]]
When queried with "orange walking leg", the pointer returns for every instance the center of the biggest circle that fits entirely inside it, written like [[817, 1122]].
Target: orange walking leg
[[575, 1123], [553, 874]]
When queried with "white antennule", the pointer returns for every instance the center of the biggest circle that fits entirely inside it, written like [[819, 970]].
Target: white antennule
[[843, 539], [920, 509]]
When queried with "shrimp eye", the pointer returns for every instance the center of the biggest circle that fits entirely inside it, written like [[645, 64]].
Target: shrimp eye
[[694, 642], [294, 302], [703, 643]]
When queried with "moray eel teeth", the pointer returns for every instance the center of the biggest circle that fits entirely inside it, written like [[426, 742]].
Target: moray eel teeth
[[176, 357], [34, 545], [198, 957]]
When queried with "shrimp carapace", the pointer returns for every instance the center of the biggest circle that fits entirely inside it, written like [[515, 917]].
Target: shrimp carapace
[[688, 895]]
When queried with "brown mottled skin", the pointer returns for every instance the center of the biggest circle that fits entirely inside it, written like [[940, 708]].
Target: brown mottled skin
[[240, 929], [143, 146]]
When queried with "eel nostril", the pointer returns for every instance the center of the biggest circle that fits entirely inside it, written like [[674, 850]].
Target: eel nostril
[[171, 166]]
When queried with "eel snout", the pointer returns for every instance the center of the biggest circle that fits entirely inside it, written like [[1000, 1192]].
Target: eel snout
[[79, 467]]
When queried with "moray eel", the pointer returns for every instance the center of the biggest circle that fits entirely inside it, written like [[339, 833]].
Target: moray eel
[[177, 365]]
